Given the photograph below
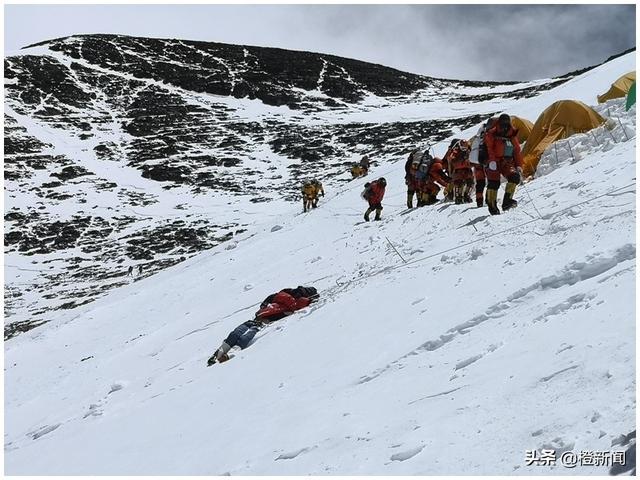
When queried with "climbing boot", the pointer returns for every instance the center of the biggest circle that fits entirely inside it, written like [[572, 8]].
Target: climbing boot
[[218, 357], [366, 214], [508, 201], [221, 355], [378, 212], [479, 202], [410, 200], [431, 199], [492, 200]]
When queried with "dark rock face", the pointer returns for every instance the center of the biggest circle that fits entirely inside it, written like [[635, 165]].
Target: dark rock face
[[104, 133], [267, 74], [67, 173]]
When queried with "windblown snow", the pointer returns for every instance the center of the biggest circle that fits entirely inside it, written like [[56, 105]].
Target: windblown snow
[[445, 341]]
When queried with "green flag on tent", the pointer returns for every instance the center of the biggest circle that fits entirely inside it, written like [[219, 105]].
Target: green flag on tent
[[631, 96]]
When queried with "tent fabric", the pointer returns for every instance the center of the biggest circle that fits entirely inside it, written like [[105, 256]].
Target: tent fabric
[[524, 127], [560, 120], [619, 88], [631, 97]]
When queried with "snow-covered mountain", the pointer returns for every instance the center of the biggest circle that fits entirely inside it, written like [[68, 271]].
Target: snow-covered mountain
[[123, 151], [444, 341]]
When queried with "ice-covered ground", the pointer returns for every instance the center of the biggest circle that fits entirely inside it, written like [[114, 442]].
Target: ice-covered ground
[[445, 341]]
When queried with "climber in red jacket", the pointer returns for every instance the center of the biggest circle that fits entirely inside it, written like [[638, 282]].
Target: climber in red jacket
[[504, 158], [374, 193], [460, 170]]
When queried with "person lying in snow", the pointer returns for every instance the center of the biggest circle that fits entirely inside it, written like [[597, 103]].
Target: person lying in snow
[[274, 307]]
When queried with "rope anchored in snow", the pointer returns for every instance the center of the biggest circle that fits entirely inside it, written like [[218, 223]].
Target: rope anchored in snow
[[395, 249]]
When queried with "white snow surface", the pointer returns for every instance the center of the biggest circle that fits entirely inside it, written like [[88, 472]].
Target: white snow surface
[[480, 338]]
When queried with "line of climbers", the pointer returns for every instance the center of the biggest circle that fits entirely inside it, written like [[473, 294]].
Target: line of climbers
[[494, 152]]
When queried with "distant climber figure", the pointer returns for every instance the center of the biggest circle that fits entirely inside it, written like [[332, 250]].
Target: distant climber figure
[[460, 170], [504, 158], [130, 271], [307, 195], [374, 193], [319, 190], [275, 307], [310, 192], [140, 269], [361, 168]]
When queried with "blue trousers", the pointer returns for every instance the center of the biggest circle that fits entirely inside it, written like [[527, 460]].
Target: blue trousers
[[243, 334]]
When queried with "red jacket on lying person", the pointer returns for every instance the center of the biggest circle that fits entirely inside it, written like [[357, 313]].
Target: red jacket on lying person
[[284, 303]]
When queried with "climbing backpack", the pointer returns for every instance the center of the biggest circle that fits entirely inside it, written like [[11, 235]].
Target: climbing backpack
[[423, 170], [482, 155], [427, 162], [420, 164], [416, 161], [309, 190], [301, 291], [366, 193]]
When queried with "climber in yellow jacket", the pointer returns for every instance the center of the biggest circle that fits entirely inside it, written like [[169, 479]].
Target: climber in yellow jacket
[[311, 189]]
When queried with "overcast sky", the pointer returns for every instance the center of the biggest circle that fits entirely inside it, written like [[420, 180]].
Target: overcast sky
[[483, 42]]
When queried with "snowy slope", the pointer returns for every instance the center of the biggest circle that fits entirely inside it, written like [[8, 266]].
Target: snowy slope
[[126, 151], [496, 336]]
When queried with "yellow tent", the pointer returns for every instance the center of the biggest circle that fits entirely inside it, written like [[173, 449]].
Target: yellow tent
[[524, 127], [619, 88], [560, 120]]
